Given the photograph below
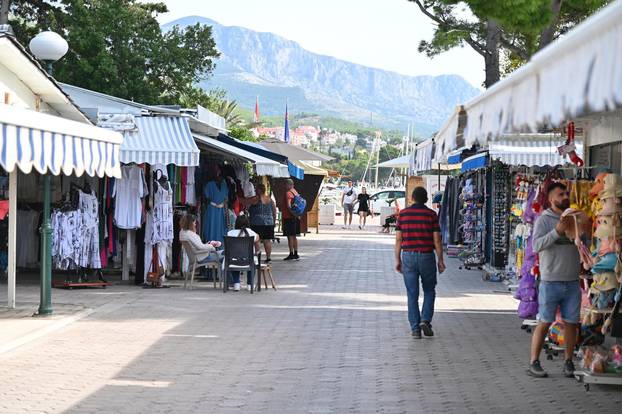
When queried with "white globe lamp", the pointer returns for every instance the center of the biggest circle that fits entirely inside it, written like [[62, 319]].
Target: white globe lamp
[[48, 47]]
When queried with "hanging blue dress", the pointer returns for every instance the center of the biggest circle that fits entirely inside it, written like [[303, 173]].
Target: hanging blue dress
[[214, 224]]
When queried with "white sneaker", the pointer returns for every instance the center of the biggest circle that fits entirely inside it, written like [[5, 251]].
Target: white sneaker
[[248, 287], [236, 287]]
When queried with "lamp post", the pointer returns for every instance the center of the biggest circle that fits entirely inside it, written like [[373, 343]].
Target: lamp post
[[48, 47]]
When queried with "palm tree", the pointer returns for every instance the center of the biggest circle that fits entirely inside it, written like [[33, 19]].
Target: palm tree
[[227, 109]]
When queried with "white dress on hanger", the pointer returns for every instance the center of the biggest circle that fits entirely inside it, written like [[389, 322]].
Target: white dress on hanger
[[89, 254], [128, 192]]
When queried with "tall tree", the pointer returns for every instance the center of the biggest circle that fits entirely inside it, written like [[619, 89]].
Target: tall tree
[[516, 28], [117, 47]]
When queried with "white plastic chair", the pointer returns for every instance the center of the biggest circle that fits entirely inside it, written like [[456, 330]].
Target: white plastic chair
[[194, 265]]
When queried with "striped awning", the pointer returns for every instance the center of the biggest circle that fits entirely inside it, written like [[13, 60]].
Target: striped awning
[[160, 140], [48, 143], [530, 150]]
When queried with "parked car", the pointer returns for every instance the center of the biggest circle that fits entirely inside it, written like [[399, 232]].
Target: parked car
[[383, 198]]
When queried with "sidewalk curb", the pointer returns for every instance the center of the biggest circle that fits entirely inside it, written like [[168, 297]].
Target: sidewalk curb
[[60, 324]]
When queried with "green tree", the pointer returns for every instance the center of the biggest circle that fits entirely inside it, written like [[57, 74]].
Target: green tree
[[242, 133], [200, 97], [514, 29], [117, 47]]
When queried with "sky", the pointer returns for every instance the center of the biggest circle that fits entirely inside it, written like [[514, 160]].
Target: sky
[[377, 33]]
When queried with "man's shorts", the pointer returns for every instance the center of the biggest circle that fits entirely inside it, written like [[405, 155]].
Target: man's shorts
[[348, 208], [563, 295]]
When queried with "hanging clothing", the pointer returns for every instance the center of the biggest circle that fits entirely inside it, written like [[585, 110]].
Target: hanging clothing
[[163, 229], [67, 242], [128, 193], [89, 252], [191, 198], [214, 223]]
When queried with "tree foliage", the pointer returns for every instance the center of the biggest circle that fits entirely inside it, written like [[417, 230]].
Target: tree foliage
[[117, 47], [515, 28]]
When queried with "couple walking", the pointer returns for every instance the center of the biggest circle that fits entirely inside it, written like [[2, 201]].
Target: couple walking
[[349, 200]]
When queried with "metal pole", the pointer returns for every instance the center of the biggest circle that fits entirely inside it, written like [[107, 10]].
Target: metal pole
[[12, 240], [45, 303]]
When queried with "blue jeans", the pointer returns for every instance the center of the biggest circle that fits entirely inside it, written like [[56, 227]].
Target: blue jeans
[[414, 266], [563, 295]]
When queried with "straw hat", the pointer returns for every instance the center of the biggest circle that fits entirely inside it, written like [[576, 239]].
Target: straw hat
[[608, 228], [612, 187], [604, 282], [611, 206], [598, 184]]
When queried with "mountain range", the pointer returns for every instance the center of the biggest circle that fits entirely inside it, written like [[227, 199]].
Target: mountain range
[[275, 69]]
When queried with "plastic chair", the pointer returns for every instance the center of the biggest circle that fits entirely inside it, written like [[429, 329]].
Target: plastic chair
[[194, 265], [240, 256]]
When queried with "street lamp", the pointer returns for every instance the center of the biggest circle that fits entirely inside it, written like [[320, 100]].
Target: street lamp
[[48, 47]]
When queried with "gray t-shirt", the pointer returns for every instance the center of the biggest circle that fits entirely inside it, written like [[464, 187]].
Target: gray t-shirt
[[559, 257], [349, 199]]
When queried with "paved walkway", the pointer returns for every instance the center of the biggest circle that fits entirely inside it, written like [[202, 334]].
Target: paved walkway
[[333, 339]]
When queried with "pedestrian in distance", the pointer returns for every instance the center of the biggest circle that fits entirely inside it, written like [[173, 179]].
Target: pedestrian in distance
[[262, 212], [291, 223], [417, 238], [559, 279], [348, 197], [363, 211]]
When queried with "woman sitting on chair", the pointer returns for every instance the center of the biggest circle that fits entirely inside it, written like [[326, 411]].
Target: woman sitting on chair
[[204, 252], [242, 229]]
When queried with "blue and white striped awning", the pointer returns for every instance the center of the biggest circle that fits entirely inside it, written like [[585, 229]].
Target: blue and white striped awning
[[160, 140], [48, 143], [531, 149]]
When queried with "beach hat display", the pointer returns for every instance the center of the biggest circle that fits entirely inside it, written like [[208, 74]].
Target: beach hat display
[[612, 187], [611, 206], [608, 228], [599, 184], [604, 282]]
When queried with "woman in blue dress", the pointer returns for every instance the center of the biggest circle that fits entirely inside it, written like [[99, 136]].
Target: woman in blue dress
[[214, 223]]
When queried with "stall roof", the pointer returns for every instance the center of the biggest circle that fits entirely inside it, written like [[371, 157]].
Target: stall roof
[[530, 149], [294, 153], [577, 75], [160, 140], [445, 138], [422, 159], [28, 70], [57, 145], [252, 147], [263, 166], [311, 169]]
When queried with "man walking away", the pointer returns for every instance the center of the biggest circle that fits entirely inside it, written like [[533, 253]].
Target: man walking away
[[559, 279], [348, 198], [418, 236], [291, 223]]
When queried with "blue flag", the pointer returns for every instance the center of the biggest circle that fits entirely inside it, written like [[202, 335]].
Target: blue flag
[[286, 129]]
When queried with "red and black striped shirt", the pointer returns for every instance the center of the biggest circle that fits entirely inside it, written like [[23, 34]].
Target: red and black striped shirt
[[418, 224]]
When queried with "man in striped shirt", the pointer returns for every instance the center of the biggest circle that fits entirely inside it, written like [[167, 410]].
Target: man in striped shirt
[[418, 236]]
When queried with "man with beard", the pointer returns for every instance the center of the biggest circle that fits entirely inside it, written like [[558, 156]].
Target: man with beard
[[559, 279]]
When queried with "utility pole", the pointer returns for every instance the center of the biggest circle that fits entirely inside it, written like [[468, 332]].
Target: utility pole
[[4, 11]]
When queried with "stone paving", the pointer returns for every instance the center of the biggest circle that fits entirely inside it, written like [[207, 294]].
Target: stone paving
[[333, 339]]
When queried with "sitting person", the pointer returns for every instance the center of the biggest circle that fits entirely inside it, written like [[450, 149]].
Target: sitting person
[[204, 252], [242, 229], [392, 219]]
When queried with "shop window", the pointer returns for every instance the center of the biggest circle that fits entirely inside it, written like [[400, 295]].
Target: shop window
[[607, 155]]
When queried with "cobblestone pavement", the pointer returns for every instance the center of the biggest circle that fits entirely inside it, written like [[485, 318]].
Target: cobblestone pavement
[[333, 339]]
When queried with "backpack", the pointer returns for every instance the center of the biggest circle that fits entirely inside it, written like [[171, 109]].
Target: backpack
[[299, 205]]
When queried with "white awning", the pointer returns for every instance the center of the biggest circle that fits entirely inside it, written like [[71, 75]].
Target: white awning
[[422, 161], [51, 144], [160, 140], [578, 75], [530, 150], [399, 162], [445, 138], [263, 165]]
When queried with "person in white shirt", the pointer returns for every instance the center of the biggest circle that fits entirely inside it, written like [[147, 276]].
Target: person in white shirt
[[348, 198], [204, 252], [242, 229]]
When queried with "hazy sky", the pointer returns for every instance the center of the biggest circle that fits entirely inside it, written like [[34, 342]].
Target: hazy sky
[[378, 33]]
